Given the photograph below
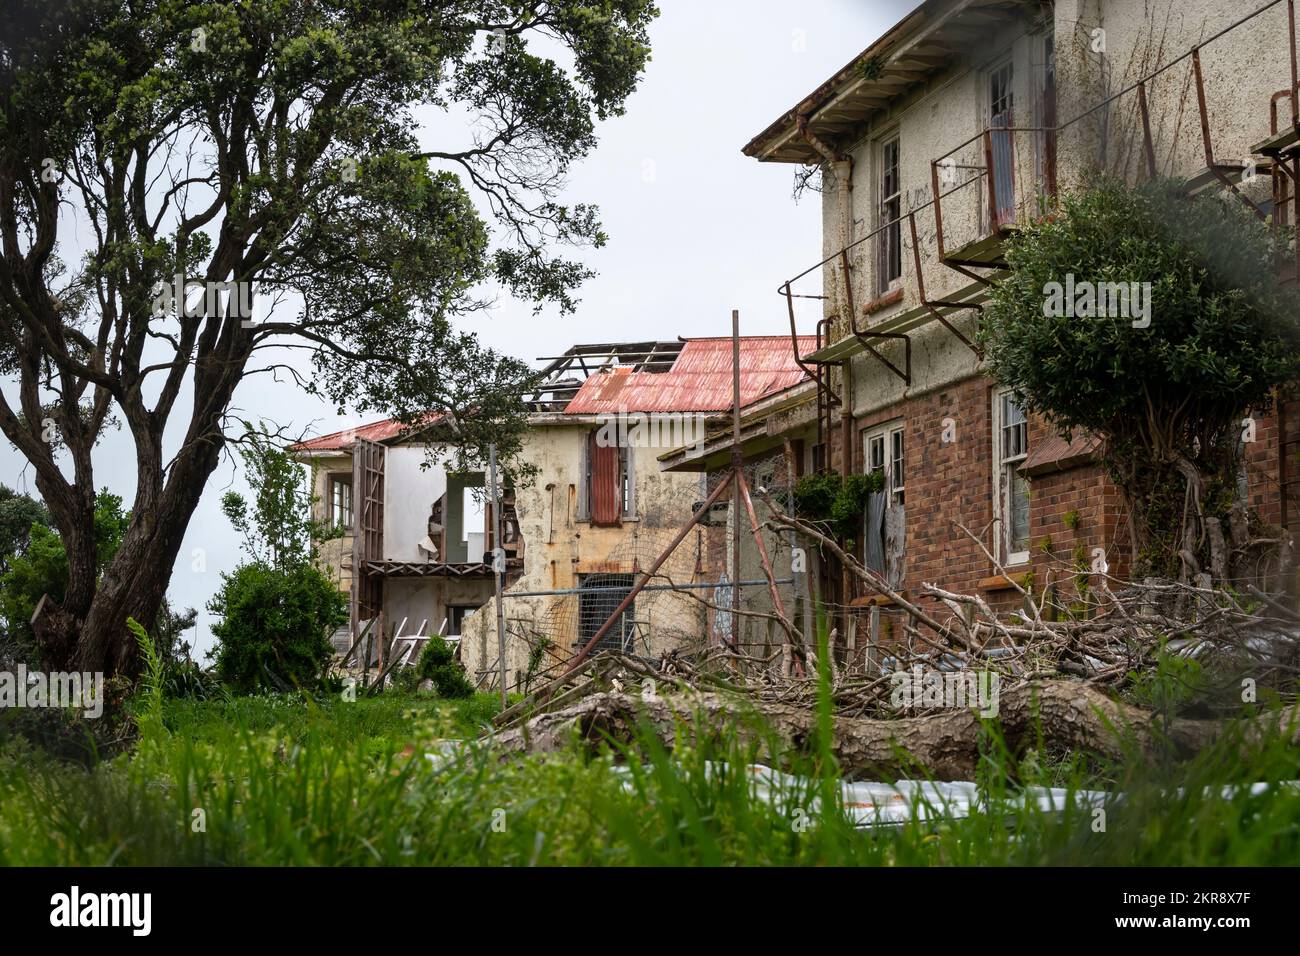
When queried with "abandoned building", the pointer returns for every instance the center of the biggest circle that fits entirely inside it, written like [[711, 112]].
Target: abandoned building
[[411, 537], [415, 553], [960, 122], [602, 509]]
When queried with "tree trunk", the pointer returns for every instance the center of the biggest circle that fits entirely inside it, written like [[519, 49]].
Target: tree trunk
[[135, 582], [944, 745]]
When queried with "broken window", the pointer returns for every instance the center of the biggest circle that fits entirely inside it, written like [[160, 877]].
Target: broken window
[[885, 452], [1001, 106], [1011, 447], [890, 266], [340, 501]]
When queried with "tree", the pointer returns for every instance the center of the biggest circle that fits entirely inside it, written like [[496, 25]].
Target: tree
[[18, 512], [1167, 391], [277, 610], [274, 626], [271, 145], [437, 664], [39, 569], [278, 529]]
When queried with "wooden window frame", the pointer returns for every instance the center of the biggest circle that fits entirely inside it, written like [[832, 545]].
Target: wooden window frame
[[889, 257], [340, 479], [1010, 448]]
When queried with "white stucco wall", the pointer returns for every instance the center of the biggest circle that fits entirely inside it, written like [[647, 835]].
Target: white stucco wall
[[1241, 71], [409, 493]]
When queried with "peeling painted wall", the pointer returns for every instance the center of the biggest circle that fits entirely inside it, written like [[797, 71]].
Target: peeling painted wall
[[334, 556], [559, 548]]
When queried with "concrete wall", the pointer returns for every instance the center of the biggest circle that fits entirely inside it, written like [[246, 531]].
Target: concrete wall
[[410, 489], [426, 599], [1241, 70], [559, 548]]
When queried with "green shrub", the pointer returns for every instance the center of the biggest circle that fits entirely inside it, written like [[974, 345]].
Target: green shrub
[[837, 500], [1166, 390], [437, 663], [275, 626]]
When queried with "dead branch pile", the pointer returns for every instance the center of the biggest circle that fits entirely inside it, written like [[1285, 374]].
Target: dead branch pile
[[1060, 673]]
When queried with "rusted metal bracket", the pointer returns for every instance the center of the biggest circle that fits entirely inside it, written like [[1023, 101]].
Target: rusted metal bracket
[[931, 304], [1217, 169], [1148, 145], [826, 398], [937, 202], [865, 337]]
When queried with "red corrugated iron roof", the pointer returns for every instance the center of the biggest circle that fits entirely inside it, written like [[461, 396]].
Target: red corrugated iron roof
[[700, 379], [342, 440]]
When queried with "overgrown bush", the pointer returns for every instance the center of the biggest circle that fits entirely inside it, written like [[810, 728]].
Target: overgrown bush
[[1166, 391], [278, 611], [836, 500], [438, 664], [274, 626]]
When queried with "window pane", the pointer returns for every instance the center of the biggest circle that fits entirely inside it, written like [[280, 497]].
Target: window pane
[[876, 453], [1017, 512], [896, 464]]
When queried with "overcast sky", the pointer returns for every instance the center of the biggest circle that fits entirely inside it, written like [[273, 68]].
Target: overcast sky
[[695, 228]]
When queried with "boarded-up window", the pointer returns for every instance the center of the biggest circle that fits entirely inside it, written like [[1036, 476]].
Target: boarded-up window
[[605, 481]]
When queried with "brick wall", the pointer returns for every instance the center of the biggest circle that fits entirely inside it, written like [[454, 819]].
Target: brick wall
[[950, 484], [1077, 516]]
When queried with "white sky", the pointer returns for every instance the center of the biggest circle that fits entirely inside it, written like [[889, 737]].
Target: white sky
[[695, 228]]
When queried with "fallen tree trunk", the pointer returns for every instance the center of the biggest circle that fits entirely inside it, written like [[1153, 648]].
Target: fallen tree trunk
[[943, 745]]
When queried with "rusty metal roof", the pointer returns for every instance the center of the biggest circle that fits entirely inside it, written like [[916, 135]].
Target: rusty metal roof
[[700, 380], [342, 440]]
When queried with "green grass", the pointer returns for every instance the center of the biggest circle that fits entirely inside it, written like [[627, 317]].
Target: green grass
[[291, 780]]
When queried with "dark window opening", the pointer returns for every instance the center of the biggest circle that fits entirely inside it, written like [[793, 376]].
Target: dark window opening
[[456, 614], [891, 208], [599, 597]]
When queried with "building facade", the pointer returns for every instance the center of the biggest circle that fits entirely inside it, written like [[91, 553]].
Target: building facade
[[965, 119]]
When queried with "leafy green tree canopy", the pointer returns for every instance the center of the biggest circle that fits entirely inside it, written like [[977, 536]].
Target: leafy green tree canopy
[[271, 148], [1166, 384]]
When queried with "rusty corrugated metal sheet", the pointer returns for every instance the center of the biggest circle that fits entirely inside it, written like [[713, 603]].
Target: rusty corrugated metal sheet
[[606, 503], [1055, 453], [700, 379], [341, 440]]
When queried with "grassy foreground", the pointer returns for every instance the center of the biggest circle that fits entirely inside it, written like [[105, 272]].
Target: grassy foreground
[[287, 780]]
